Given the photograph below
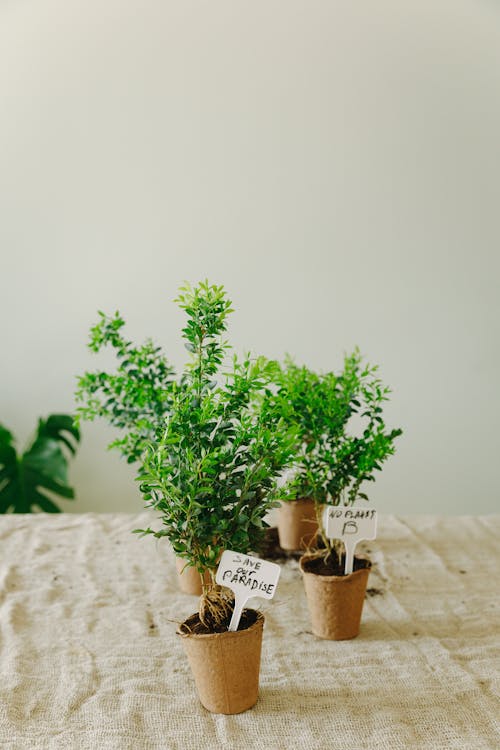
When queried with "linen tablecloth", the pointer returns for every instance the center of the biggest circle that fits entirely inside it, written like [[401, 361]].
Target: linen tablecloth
[[89, 657]]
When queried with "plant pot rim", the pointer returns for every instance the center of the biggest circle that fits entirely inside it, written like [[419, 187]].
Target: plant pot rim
[[259, 623], [348, 577]]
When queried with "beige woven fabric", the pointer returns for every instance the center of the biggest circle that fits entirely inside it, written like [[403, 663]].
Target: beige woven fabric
[[89, 657]]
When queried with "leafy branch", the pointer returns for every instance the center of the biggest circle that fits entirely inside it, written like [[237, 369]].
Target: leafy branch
[[134, 398]]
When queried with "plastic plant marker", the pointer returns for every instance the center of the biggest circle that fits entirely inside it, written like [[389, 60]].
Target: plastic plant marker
[[246, 576], [351, 525]]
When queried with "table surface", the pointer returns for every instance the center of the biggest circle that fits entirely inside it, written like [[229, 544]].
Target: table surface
[[89, 657]]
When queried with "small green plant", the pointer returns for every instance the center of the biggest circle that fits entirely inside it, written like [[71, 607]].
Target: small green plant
[[212, 473], [136, 397], [342, 438], [28, 480]]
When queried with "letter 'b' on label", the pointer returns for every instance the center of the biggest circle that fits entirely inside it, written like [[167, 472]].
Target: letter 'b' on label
[[351, 525]]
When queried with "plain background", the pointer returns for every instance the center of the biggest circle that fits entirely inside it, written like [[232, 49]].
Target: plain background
[[334, 164]]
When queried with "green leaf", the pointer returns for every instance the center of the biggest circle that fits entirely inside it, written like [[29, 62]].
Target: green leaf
[[47, 505], [25, 479], [60, 427]]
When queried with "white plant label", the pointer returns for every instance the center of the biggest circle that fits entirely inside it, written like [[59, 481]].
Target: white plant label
[[351, 525], [246, 576]]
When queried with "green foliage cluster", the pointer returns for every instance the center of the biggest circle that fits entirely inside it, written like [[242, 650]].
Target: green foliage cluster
[[28, 480], [136, 398], [212, 474], [212, 442], [333, 458]]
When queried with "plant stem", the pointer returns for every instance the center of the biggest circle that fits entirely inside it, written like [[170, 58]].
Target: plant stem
[[318, 507]]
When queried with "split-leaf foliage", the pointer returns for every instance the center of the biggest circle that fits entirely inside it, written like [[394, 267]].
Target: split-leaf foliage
[[30, 480]]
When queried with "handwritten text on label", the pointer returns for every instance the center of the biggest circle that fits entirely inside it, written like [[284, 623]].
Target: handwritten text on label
[[351, 525], [246, 576], [354, 522]]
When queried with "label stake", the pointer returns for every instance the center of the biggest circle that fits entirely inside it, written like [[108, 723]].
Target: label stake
[[246, 576], [350, 525]]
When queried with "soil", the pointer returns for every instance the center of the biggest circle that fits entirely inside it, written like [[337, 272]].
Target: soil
[[374, 592], [193, 624], [320, 567], [270, 548]]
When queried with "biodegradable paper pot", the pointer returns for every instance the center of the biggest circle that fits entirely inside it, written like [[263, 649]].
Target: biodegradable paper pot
[[226, 667], [189, 578], [335, 602], [297, 523]]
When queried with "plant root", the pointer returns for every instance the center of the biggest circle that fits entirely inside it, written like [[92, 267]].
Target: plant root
[[334, 554], [216, 608]]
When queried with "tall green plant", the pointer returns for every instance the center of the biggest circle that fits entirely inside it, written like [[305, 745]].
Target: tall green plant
[[212, 474], [30, 480]]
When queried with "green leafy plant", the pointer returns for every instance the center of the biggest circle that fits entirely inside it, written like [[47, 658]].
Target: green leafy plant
[[136, 397], [212, 473], [342, 438], [28, 480]]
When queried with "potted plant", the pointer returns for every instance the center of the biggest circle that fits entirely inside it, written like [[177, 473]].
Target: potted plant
[[212, 476], [309, 401], [31, 479], [343, 441]]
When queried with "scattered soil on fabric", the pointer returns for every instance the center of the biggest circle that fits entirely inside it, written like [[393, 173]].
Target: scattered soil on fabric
[[374, 592], [332, 567], [194, 625]]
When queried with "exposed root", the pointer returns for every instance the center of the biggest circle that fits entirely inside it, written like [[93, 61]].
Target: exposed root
[[216, 608], [334, 554]]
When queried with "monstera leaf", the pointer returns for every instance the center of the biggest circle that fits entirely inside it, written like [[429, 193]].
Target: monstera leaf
[[27, 481]]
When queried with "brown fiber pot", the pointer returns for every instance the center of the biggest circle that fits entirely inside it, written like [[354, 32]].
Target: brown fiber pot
[[297, 523], [335, 602], [189, 578], [226, 667]]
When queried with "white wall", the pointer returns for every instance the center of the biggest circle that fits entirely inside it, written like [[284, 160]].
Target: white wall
[[335, 164]]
